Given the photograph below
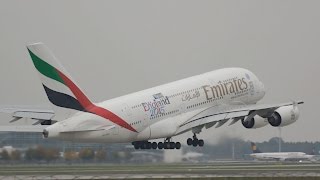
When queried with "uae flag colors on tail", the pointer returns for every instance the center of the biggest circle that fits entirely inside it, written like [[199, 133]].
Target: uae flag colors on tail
[[62, 91]]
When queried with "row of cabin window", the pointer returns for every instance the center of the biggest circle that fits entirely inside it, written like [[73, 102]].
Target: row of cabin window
[[194, 105], [184, 92], [136, 106], [137, 122], [171, 96]]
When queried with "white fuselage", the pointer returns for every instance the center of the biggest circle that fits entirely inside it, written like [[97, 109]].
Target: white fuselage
[[282, 156], [157, 112]]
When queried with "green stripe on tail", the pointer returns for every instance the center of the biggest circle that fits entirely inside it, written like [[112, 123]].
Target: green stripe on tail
[[45, 68]]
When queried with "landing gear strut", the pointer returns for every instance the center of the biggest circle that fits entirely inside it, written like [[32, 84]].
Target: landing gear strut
[[167, 144], [194, 141]]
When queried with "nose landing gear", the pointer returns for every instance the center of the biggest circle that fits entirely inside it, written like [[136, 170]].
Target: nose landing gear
[[194, 141]]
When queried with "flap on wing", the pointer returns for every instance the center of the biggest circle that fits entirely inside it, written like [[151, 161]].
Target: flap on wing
[[221, 122], [234, 120], [219, 118]]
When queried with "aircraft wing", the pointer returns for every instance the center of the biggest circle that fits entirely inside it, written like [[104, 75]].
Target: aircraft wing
[[38, 115], [220, 115]]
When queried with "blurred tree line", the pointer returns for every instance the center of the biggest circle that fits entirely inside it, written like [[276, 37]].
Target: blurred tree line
[[13, 156], [225, 148], [42, 154], [46, 155]]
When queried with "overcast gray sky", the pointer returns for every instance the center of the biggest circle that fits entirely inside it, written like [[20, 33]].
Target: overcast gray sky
[[117, 47]]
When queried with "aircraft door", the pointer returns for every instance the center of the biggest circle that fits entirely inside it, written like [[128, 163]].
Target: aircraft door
[[126, 110], [127, 114], [145, 121], [182, 108]]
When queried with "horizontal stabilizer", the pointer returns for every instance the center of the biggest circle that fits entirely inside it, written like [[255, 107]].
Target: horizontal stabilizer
[[19, 113], [22, 128], [15, 119]]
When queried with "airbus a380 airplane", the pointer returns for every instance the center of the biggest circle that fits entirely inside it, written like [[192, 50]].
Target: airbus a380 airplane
[[165, 111], [280, 156]]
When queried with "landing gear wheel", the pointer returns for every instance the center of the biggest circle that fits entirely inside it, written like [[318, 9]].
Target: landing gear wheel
[[172, 145], [195, 142], [148, 145], [178, 145], [144, 145], [154, 145], [160, 145], [189, 141], [136, 145], [166, 145], [200, 142]]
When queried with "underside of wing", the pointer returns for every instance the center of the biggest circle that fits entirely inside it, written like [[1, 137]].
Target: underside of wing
[[252, 116]]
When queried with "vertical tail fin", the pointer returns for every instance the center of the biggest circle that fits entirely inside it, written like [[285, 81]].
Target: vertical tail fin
[[254, 148], [65, 97]]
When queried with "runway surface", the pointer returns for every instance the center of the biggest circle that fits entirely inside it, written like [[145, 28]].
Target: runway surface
[[234, 170]]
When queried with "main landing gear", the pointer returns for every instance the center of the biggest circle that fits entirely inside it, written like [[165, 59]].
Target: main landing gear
[[194, 141], [167, 144]]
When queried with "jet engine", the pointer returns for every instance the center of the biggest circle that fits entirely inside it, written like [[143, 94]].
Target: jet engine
[[254, 122], [284, 116]]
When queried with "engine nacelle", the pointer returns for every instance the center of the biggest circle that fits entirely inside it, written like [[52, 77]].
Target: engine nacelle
[[284, 116], [254, 122]]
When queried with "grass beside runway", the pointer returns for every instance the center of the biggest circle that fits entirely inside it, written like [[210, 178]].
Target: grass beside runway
[[158, 169]]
